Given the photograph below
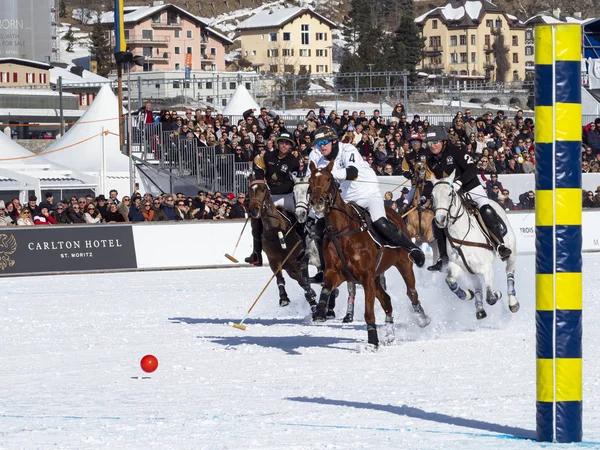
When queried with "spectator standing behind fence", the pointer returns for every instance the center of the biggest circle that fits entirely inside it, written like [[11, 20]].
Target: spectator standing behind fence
[[113, 215], [168, 208], [135, 210], [527, 200], [5, 219], [239, 209], [101, 205], [44, 217], [49, 202], [588, 199], [147, 211], [60, 214], [33, 207], [75, 214], [91, 214]]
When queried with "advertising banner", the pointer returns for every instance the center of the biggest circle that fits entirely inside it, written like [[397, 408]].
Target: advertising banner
[[25, 29], [29, 250]]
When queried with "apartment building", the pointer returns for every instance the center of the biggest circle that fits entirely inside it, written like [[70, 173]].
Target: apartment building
[[460, 36], [17, 72], [288, 40], [170, 38]]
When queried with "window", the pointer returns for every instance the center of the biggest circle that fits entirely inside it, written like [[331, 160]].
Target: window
[[529, 50], [189, 51], [232, 85], [305, 34], [528, 35], [147, 51], [186, 84], [288, 68], [224, 102], [272, 37], [489, 23], [157, 86], [176, 33], [178, 50], [435, 60], [453, 41], [29, 78], [200, 85], [147, 35], [273, 53], [515, 58], [453, 58], [463, 58], [463, 39], [320, 68], [248, 86], [209, 99], [434, 24], [156, 18], [273, 69], [287, 36], [83, 100], [473, 57], [189, 34], [321, 36], [209, 85], [515, 75], [15, 77], [304, 52], [126, 35], [213, 51], [305, 68], [321, 53], [4, 77], [224, 85], [148, 67], [473, 40], [435, 41], [487, 40], [288, 52], [177, 66], [498, 23], [176, 85]]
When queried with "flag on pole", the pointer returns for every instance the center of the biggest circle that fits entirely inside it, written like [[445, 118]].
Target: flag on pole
[[120, 43]]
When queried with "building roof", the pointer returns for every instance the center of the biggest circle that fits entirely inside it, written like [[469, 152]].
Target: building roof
[[134, 14], [25, 62], [87, 78], [463, 13], [279, 17]]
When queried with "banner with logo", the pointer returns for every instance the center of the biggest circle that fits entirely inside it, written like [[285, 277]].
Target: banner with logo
[[31, 250]]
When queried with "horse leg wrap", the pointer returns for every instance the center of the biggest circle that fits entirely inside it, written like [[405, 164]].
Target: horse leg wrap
[[324, 298], [460, 293], [331, 304], [510, 278], [349, 317], [372, 334], [389, 320], [320, 313]]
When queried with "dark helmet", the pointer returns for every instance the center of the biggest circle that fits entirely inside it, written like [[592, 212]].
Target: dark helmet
[[436, 133], [324, 133], [285, 136]]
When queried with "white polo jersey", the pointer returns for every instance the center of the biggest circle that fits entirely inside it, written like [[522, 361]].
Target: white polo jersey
[[365, 186]]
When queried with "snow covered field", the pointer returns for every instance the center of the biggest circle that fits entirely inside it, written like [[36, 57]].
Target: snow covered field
[[70, 349]]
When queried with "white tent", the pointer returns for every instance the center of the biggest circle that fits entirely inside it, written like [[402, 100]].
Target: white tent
[[36, 173], [240, 101], [92, 145]]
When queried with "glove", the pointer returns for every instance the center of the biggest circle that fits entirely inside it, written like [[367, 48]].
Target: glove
[[457, 184], [423, 200]]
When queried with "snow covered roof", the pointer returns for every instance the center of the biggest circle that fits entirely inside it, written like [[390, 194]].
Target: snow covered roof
[[133, 14], [465, 12], [279, 17], [25, 62], [85, 154], [542, 19], [70, 78], [240, 101]]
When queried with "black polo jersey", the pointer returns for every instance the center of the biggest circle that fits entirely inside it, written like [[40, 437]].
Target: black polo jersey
[[276, 171]]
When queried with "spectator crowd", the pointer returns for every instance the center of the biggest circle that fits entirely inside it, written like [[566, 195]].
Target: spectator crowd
[[498, 145]]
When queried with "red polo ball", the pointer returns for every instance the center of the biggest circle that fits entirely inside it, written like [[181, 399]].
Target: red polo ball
[[149, 363]]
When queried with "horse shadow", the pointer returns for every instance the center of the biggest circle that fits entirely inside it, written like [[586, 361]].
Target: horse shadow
[[418, 413], [287, 344], [202, 320]]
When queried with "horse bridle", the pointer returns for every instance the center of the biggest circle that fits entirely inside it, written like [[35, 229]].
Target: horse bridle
[[302, 204], [454, 195], [264, 204]]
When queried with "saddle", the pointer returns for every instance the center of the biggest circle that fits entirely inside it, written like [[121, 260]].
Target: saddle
[[366, 224], [473, 209]]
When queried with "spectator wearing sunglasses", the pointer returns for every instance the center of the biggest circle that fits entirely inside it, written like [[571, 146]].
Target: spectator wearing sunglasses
[[92, 215], [135, 210], [25, 217], [5, 219]]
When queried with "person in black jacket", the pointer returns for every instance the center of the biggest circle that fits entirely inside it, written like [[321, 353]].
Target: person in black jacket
[[276, 169], [443, 161], [239, 210]]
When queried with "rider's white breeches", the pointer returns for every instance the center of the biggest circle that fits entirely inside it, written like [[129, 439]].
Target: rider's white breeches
[[480, 196], [374, 205], [285, 201]]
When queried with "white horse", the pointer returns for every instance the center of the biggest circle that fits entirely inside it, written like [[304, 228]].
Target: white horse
[[469, 249], [302, 202]]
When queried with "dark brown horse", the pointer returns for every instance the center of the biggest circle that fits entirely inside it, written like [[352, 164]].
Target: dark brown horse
[[419, 221], [352, 255], [278, 239]]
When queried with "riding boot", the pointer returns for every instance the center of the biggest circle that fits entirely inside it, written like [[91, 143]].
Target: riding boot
[[256, 257], [495, 224], [319, 230], [396, 238], [440, 238]]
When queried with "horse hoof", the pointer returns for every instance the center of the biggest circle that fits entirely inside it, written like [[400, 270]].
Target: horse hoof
[[320, 315], [481, 314], [284, 301], [496, 295], [422, 320], [330, 314], [348, 318], [514, 308]]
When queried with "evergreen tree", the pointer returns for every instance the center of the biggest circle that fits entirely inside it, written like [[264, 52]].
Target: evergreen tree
[[100, 48], [70, 38], [62, 9], [408, 45]]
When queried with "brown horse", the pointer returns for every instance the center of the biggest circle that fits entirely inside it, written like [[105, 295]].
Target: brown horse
[[351, 254], [278, 239], [419, 221]]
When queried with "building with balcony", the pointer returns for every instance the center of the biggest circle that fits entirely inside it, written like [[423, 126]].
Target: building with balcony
[[460, 38], [17, 72], [288, 40], [170, 38]]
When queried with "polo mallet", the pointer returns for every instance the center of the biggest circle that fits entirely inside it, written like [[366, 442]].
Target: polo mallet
[[409, 211], [230, 257], [241, 325]]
